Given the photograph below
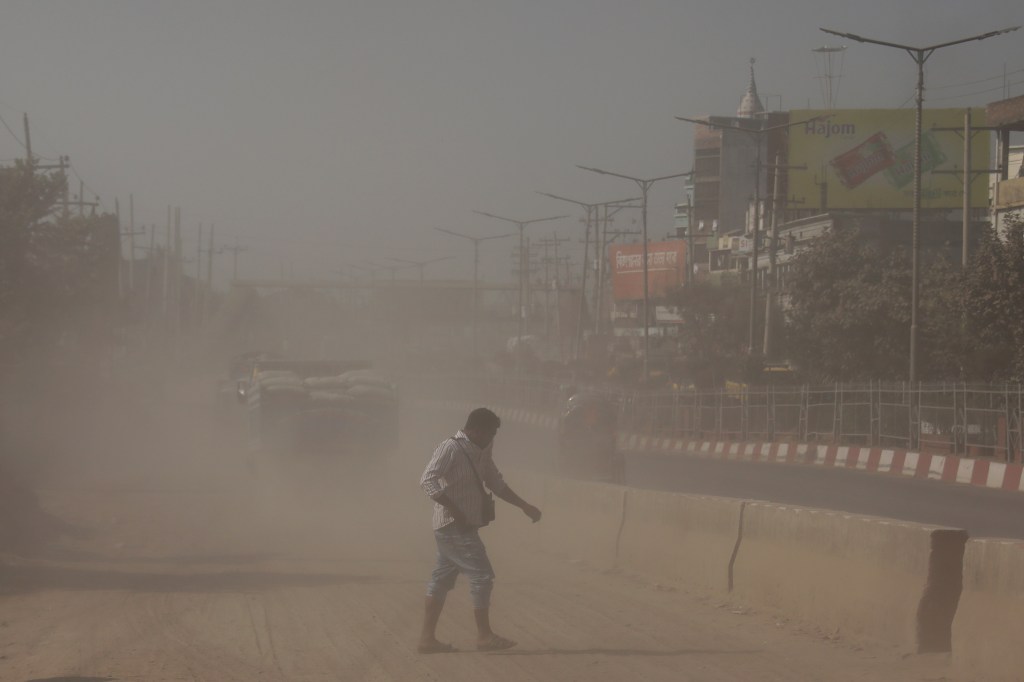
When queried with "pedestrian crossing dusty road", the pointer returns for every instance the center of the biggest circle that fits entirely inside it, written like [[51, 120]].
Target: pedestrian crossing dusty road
[[192, 570]]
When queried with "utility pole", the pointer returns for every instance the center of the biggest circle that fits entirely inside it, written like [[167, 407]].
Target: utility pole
[[645, 185], [131, 244], [546, 261], [150, 257], [521, 224], [178, 264], [196, 290], [769, 305], [578, 345], [65, 163], [772, 276], [30, 160], [968, 176], [165, 297], [120, 283], [592, 216], [234, 250], [209, 277], [691, 261], [602, 270], [758, 133]]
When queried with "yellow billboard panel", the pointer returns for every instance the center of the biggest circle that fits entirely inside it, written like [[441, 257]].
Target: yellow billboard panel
[[864, 158]]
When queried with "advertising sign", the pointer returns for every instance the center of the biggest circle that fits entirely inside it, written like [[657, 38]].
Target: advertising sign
[[666, 269], [865, 158]]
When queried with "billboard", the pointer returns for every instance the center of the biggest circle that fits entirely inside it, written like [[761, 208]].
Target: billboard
[[666, 269], [865, 158]]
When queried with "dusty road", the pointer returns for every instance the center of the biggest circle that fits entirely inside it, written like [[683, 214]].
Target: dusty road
[[189, 568]]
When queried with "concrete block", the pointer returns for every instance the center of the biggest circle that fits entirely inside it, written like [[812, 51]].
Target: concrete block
[[582, 520], [855, 575], [987, 627], [683, 539]]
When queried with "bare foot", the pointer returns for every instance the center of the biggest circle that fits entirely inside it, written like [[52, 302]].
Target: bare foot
[[432, 646], [494, 643]]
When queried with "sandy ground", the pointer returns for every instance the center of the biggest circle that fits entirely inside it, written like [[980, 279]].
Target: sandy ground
[[189, 567]]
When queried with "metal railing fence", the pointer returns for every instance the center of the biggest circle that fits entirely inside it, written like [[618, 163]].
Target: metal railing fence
[[959, 419]]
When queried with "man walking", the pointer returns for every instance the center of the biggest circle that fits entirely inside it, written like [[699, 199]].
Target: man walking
[[454, 479]]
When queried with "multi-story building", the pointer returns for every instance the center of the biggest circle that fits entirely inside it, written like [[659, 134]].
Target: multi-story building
[[1007, 116]]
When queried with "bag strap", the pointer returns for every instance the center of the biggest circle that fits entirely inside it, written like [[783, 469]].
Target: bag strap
[[465, 454]]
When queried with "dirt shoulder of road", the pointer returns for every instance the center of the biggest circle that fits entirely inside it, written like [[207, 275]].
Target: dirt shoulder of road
[[223, 577]]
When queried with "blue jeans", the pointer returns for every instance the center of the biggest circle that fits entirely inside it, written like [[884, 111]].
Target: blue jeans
[[461, 551]]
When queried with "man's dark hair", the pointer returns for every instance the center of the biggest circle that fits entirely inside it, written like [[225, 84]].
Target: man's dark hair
[[482, 419]]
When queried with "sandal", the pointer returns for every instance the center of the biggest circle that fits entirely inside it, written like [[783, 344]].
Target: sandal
[[435, 648], [495, 643]]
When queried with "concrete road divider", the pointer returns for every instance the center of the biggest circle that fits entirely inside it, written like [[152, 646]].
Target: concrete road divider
[[987, 628], [690, 539], [582, 520], [860, 575]]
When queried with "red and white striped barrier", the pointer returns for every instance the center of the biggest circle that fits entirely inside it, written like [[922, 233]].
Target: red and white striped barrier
[[948, 468]]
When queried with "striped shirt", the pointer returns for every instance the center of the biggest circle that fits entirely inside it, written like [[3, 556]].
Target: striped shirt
[[449, 472]]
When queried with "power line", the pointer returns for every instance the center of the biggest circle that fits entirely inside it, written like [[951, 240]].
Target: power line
[[94, 192], [12, 132], [983, 80], [977, 92]]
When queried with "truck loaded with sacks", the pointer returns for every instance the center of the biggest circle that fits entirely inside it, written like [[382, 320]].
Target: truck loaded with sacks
[[335, 411]]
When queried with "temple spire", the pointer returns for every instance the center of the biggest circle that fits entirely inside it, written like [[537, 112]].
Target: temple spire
[[750, 105]]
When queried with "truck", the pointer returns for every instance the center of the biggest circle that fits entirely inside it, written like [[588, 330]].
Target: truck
[[326, 414]]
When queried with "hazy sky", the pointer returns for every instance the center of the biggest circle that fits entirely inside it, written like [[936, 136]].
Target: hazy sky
[[323, 132]]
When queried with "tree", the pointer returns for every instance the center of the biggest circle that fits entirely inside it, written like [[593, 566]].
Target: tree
[[56, 272], [713, 335], [993, 305], [26, 199], [849, 313]]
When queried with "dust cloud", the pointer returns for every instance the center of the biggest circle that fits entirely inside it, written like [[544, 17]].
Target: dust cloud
[[111, 450]]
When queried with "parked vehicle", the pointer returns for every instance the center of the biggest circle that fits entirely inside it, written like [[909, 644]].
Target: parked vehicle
[[587, 439]]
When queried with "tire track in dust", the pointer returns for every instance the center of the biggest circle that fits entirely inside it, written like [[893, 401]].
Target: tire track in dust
[[196, 652]]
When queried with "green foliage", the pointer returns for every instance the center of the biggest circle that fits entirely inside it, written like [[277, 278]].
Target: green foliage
[[713, 336], [849, 314], [993, 304], [25, 200], [844, 313], [57, 273]]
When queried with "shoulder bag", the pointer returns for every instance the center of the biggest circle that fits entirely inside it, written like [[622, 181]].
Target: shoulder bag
[[486, 498]]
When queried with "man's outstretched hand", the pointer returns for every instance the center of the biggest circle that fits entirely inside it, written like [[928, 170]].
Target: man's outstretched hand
[[532, 512]]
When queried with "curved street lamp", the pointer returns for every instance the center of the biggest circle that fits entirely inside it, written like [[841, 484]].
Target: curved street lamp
[[476, 278], [920, 55]]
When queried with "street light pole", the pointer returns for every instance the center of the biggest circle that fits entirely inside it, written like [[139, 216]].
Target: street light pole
[[523, 264], [591, 209], [758, 132], [645, 185], [920, 55], [476, 279], [602, 263]]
